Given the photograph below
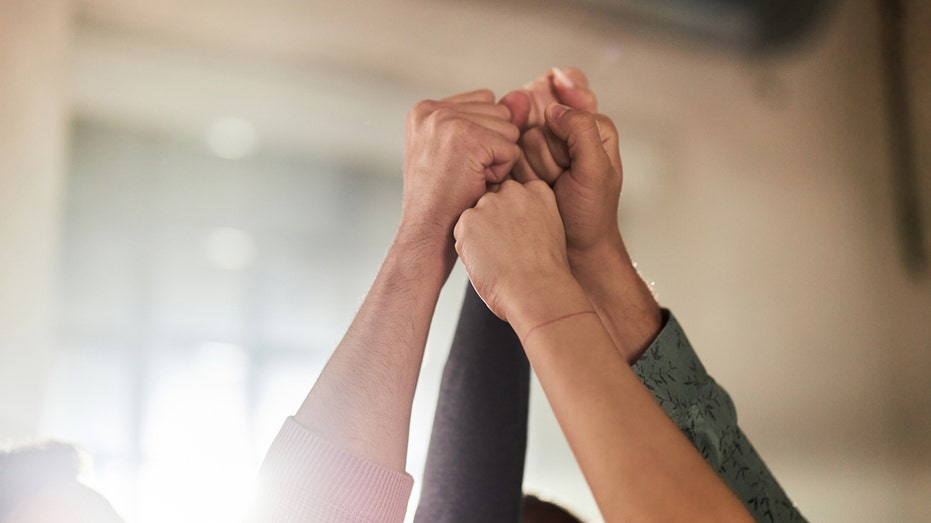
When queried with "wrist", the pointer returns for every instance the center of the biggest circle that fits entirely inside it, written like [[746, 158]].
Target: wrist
[[622, 299], [595, 267], [425, 240], [609, 249], [553, 298], [423, 252]]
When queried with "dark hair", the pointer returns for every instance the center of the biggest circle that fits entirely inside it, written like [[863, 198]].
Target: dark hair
[[536, 510]]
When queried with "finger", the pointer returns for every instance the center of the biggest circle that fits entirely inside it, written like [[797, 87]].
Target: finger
[[573, 90], [505, 128], [500, 157], [522, 172], [577, 77], [519, 103], [536, 151], [609, 140], [497, 110], [490, 153], [582, 136], [480, 95], [541, 94], [426, 108], [463, 124], [558, 148]]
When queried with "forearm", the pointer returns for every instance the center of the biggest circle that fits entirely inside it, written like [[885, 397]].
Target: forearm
[[622, 299], [475, 462], [636, 461], [362, 399]]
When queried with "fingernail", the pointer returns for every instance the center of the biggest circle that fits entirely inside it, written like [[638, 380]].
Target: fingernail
[[563, 78], [555, 111]]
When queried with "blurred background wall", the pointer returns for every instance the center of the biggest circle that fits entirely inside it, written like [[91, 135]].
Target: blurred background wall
[[194, 197]]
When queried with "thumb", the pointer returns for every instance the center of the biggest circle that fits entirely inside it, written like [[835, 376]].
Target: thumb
[[571, 89], [519, 104], [583, 138]]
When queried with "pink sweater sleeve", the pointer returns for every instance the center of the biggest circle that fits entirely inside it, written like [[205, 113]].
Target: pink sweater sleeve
[[306, 478]]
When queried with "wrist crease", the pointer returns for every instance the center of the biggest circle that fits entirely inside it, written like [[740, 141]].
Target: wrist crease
[[554, 320]]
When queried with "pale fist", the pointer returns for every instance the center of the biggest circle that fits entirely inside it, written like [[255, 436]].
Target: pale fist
[[453, 148], [513, 245]]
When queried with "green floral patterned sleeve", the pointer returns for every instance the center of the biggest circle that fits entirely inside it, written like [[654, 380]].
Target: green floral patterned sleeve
[[672, 372]]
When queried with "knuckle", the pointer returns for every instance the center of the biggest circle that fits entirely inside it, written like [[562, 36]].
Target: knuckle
[[606, 126], [509, 186], [450, 120], [421, 110], [486, 94], [425, 106], [420, 113], [442, 114], [463, 223], [512, 133], [537, 186]]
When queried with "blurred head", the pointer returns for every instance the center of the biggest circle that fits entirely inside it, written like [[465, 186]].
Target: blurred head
[[42, 484], [535, 510]]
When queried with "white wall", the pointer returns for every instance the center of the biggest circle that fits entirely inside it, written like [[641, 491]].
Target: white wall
[[34, 38]]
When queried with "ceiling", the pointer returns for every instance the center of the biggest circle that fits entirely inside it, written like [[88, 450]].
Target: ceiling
[[331, 79]]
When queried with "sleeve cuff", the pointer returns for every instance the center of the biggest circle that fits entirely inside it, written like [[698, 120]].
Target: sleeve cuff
[[308, 478], [702, 410], [671, 370]]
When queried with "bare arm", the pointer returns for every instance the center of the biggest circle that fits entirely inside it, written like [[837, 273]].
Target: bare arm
[[342, 456], [638, 464], [362, 399], [587, 192]]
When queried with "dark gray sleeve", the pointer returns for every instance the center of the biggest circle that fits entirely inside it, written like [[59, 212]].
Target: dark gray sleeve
[[475, 463], [704, 412]]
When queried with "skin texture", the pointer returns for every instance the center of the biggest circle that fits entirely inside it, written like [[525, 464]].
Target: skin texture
[[362, 399], [636, 461], [535, 212], [587, 195]]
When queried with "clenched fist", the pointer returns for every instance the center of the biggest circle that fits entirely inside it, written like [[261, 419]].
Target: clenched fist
[[454, 148], [513, 245]]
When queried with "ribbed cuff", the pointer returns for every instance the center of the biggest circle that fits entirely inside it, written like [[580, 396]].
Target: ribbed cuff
[[307, 478]]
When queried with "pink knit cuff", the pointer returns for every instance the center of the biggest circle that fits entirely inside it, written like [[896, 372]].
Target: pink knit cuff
[[307, 478]]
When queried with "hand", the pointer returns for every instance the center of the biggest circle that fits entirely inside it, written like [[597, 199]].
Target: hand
[[453, 148], [578, 154], [580, 157], [587, 190], [555, 86], [540, 150], [513, 245]]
